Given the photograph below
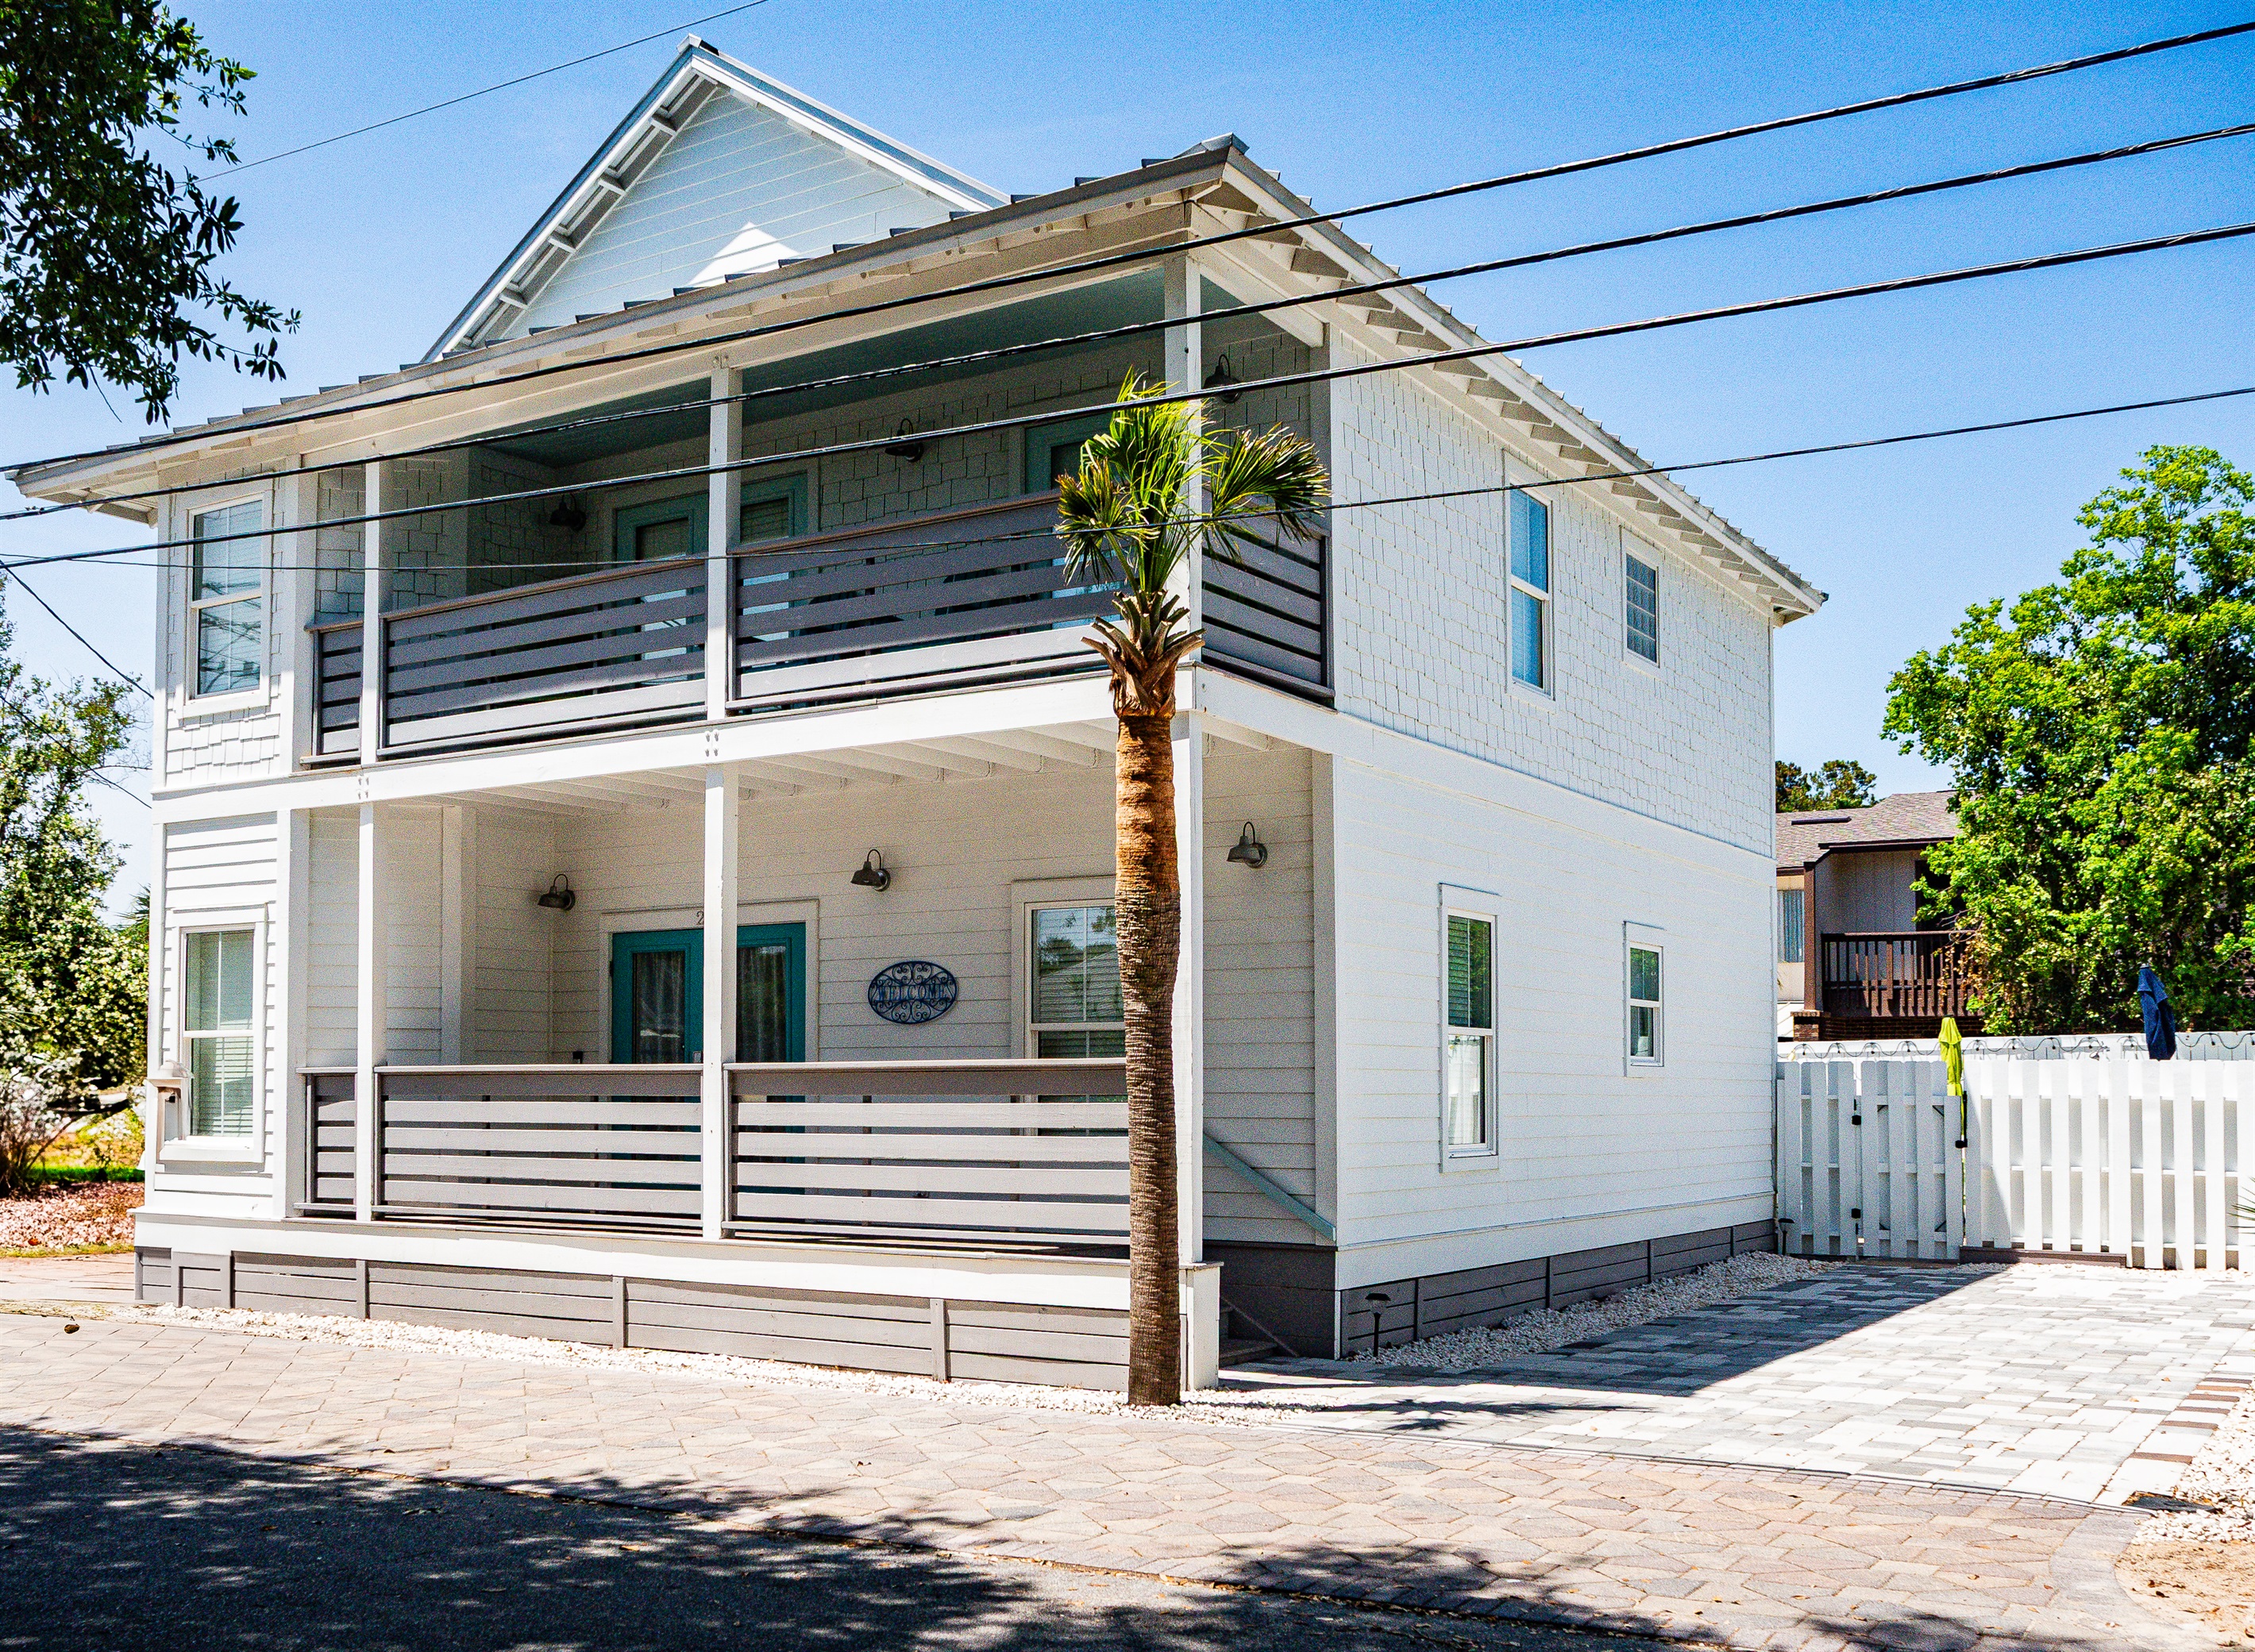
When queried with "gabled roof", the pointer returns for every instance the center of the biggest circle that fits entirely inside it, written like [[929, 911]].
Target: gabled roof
[[926, 190], [1907, 820]]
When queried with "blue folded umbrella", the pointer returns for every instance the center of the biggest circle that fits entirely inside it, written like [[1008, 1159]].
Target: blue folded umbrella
[[2160, 1018]]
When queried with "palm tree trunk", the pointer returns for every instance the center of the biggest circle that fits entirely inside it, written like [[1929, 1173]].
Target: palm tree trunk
[[1149, 907]]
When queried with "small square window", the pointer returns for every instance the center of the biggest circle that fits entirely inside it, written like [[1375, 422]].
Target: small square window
[[1642, 584]]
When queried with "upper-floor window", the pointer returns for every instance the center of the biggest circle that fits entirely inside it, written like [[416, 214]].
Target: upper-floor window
[[226, 598], [1529, 529], [661, 529], [1640, 580], [218, 1030], [1791, 926], [774, 507], [1076, 1010], [1054, 450]]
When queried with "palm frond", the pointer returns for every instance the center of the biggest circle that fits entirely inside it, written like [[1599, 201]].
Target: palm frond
[[1273, 481]]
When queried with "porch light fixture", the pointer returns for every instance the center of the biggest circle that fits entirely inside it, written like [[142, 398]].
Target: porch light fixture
[[1221, 378], [1249, 849], [569, 515], [911, 450], [871, 874], [559, 894]]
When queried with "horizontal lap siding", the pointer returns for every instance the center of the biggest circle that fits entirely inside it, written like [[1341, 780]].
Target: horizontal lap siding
[[295, 1285], [1260, 1029], [1582, 1140], [333, 938], [571, 1308], [871, 1334], [511, 975]]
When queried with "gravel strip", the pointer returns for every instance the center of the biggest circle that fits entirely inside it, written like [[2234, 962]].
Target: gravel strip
[[1548, 1329], [63, 1215], [2222, 1472], [1532, 1332]]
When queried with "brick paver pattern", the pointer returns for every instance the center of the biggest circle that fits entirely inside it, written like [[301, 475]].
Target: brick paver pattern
[[2059, 1380], [1732, 1556]]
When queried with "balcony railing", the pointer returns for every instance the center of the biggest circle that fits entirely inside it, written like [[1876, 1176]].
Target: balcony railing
[[1019, 1153], [959, 598], [1888, 975]]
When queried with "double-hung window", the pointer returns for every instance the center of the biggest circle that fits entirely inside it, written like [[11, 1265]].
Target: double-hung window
[[218, 1031], [1529, 526], [1641, 585], [1645, 1029], [1468, 1038], [1076, 1010], [226, 599]]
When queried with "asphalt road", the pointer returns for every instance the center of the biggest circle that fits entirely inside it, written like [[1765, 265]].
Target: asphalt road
[[124, 1546]]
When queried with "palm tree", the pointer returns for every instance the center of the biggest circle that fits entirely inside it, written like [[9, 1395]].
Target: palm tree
[[1128, 517]]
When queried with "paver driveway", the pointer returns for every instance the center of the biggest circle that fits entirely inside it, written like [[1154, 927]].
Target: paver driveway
[[1711, 1552], [2062, 1380]]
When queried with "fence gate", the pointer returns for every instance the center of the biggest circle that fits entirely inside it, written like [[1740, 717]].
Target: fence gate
[[1869, 1160]]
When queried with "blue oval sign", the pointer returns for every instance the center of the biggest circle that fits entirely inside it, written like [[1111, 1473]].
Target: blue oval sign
[[911, 993]]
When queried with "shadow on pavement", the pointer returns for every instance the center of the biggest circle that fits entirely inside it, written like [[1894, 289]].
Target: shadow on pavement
[[126, 1546]]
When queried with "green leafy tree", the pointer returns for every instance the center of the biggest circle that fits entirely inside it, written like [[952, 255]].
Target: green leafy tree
[[74, 988], [2097, 731], [1840, 783], [1129, 517], [106, 254]]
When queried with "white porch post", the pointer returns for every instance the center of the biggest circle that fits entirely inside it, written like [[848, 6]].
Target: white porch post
[[372, 1009], [724, 439], [288, 1138], [721, 842], [1190, 984], [371, 616], [1185, 358]]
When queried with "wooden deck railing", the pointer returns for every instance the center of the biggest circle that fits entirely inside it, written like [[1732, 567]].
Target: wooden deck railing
[[1013, 1153], [1883, 974]]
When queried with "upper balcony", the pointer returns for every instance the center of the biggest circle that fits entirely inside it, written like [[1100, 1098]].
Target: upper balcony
[[923, 565]]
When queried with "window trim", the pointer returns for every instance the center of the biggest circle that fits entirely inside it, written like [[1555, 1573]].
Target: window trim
[[1480, 908], [1028, 896], [1796, 896], [1629, 558], [1047, 435], [791, 486], [1642, 937], [201, 701], [1541, 595], [179, 1144], [649, 513]]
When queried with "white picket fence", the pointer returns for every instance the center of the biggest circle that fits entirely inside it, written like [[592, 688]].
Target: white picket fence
[[2121, 1156]]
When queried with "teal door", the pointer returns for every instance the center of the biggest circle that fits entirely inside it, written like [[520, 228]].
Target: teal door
[[657, 994]]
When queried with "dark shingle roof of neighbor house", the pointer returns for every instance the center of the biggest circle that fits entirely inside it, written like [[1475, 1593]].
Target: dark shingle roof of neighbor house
[[1907, 818]]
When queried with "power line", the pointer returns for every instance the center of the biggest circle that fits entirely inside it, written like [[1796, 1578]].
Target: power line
[[125, 678], [1780, 214], [1175, 248], [2025, 422], [483, 91], [1284, 381]]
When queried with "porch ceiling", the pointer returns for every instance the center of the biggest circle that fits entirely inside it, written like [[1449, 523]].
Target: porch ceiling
[[1029, 751]]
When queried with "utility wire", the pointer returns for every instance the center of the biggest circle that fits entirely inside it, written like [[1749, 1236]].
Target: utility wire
[[483, 91], [2026, 422], [126, 677], [1321, 375], [1901, 192], [1145, 255]]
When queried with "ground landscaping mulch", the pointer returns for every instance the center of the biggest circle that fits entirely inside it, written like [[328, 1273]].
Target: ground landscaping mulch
[[69, 1216]]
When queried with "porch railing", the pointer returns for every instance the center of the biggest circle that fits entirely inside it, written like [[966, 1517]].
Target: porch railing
[[622, 646], [1883, 975], [952, 599], [1012, 1152]]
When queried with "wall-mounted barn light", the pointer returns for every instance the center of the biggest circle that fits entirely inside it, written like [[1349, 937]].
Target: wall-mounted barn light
[[1249, 850], [1221, 378], [871, 874], [559, 895], [570, 514], [911, 448]]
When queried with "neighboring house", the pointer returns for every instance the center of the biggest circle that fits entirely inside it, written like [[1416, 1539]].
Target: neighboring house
[[1854, 959], [563, 901]]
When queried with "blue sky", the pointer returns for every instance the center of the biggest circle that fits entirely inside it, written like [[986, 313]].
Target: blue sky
[[380, 240]]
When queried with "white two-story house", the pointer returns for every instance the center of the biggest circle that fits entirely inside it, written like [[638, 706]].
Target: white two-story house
[[635, 810]]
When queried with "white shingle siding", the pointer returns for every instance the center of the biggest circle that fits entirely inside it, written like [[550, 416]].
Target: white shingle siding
[[738, 189], [1420, 638]]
